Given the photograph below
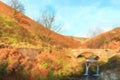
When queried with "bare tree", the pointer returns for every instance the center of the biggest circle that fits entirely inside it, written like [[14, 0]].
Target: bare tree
[[94, 31], [17, 6], [48, 20]]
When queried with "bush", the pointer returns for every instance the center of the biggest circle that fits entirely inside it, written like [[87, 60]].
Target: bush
[[114, 62], [3, 71], [110, 70]]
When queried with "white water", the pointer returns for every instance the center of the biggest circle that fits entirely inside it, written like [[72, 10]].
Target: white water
[[87, 68], [87, 64], [97, 70]]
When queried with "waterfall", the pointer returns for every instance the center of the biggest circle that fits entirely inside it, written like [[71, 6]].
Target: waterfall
[[97, 73], [87, 69], [87, 65]]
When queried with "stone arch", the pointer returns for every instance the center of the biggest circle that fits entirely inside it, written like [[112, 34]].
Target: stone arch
[[85, 54]]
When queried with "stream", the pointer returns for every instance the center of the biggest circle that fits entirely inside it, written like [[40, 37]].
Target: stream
[[85, 78], [87, 75]]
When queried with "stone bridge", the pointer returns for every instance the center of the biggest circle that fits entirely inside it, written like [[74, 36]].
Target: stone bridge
[[103, 54]]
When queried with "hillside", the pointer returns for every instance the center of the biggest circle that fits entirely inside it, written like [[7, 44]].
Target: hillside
[[80, 39], [33, 33], [25, 53], [110, 39]]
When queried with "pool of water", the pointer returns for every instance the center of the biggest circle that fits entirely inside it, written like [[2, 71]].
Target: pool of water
[[89, 77]]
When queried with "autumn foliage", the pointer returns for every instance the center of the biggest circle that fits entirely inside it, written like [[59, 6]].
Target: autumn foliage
[[14, 65], [110, 40]]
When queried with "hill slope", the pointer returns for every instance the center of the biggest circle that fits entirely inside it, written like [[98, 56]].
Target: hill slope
[[110, 39], [34, 31]]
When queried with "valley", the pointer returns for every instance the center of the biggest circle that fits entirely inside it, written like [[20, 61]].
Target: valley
[[28, 53]]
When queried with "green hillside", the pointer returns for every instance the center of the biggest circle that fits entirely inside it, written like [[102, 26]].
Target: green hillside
[[14, 35]]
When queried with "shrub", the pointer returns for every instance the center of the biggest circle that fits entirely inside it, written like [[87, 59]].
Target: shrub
[[114, 62], [3, 71]]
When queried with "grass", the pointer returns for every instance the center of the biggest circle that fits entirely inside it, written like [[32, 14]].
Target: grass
[[13, 34]]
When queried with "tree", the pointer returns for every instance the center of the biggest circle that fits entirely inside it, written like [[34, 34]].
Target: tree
[[48, 20], [94, 31], [17, 6]]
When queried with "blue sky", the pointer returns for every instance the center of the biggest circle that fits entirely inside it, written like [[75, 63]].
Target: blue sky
[[78, 17]]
